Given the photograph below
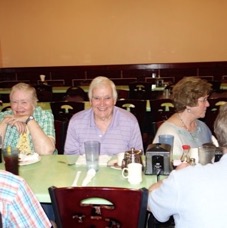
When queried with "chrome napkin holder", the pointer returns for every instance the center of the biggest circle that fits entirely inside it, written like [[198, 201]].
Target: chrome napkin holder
[[158, 159]]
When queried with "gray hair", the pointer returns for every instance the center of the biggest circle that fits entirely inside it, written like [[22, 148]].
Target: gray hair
[[220, 124], [101, 80]]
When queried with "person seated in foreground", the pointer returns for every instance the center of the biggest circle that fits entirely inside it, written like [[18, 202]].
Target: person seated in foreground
[[195, 195], [26, 126], [115, 128], [18, 205], [190, 96]]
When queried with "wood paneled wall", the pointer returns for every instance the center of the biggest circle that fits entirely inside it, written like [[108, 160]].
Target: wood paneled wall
[[121, 74]]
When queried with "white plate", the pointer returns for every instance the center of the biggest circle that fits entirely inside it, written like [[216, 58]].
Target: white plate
[[28, 159]]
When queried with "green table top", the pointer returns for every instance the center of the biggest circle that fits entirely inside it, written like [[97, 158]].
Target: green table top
[[53, 170]]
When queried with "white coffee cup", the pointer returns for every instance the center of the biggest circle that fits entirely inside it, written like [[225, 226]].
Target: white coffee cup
[[133, 173], [120, 157]]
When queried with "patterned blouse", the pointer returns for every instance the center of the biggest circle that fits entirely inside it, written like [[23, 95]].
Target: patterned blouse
[[44, 118]]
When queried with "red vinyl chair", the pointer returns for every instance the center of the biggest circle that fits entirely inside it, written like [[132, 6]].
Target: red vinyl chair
[[122, 207]]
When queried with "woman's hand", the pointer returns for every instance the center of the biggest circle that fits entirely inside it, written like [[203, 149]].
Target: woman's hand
[[16, 121], [21, 127]]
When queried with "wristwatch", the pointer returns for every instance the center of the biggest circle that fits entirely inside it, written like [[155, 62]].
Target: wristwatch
[[28, 119]]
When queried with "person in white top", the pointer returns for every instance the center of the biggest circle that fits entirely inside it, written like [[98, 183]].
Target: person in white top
[[195, 195], [190, 96]]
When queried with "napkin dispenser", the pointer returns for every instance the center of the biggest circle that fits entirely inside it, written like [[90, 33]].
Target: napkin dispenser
[[158, 159]]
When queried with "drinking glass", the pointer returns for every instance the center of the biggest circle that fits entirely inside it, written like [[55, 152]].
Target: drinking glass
[[92, 151], [11, 160]]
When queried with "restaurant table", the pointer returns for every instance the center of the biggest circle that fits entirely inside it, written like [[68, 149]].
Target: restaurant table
[[53, 170]]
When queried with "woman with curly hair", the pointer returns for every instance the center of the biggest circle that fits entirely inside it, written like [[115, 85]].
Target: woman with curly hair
[[190, 97]]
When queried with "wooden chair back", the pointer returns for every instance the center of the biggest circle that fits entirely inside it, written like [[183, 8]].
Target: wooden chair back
[[120, 207], [140, 90], [161, 109], [64, 110], [136, 107]]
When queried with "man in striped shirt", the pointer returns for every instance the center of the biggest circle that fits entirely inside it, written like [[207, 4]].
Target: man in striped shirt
[[115, 128], [18, 205]]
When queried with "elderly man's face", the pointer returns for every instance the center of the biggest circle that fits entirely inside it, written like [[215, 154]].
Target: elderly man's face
[[102, 101]]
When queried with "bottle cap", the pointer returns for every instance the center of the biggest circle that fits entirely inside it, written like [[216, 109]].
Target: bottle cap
[[186, 147]]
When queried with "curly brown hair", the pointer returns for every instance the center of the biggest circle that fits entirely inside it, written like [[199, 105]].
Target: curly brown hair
[[187, 91]]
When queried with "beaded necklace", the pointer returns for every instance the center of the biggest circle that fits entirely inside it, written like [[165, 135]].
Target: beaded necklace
[[184, 126]]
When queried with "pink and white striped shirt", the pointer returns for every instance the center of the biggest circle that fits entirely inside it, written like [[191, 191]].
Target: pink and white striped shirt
[[18, 205]]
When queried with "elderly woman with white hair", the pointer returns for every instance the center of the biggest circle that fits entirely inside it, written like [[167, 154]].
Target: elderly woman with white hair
[[26, 126]]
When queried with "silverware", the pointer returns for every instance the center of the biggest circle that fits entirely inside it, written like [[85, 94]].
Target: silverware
[[66, 163], [76, 178]]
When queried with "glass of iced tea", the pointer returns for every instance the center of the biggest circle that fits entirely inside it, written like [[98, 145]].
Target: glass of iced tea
[[10, 156]]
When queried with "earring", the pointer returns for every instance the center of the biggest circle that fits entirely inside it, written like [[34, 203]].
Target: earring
[[188, 110]]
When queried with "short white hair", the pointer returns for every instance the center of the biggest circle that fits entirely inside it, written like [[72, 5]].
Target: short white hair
[[101, 80]]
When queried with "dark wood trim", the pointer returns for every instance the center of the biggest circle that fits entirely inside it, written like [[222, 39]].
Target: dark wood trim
[[115, 72]]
